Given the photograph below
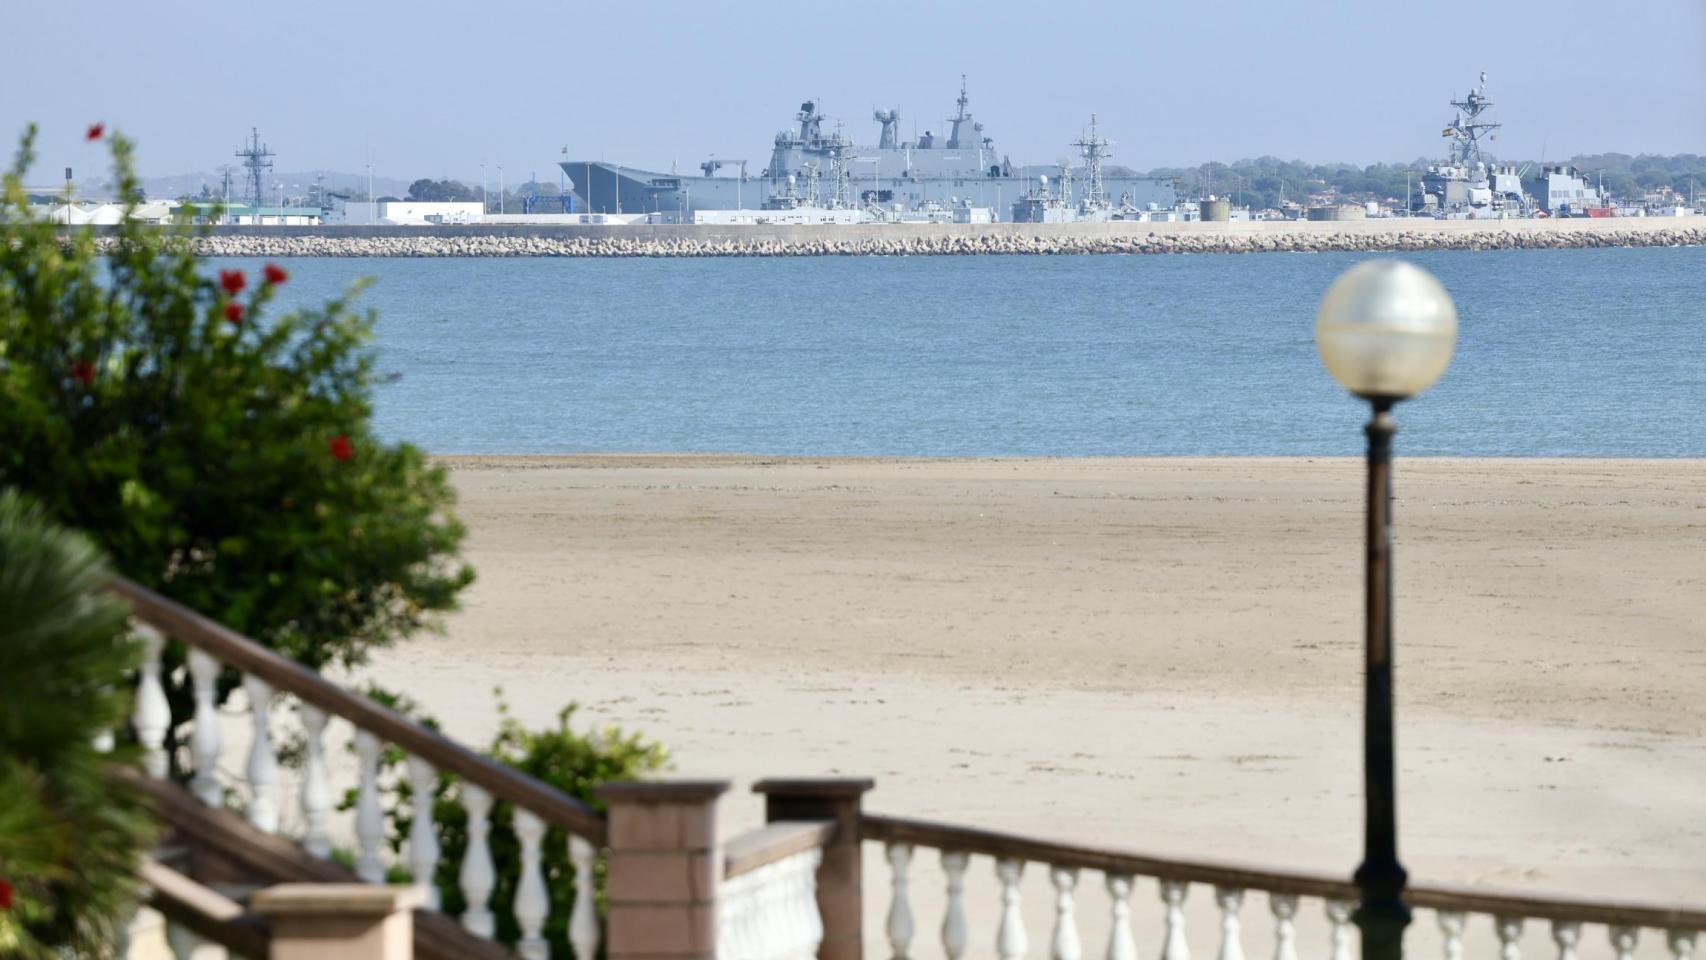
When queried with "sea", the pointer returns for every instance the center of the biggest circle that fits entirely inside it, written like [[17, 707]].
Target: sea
[[1562, 353]]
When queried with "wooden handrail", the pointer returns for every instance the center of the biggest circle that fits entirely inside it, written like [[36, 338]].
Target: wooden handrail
[[773, 842], [211, 915], [1464, 899], [239, 652]]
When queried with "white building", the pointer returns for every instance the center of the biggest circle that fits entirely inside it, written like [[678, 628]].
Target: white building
[[414, 212]]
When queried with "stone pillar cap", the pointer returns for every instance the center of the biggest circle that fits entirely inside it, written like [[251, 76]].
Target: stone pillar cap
[[814, 786], [661, 791], [336, 899]]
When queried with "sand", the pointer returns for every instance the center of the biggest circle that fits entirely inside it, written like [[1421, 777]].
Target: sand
[[1161, 655]]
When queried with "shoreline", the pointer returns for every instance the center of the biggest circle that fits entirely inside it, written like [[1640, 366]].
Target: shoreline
[[1002, 239], [1157, 653]]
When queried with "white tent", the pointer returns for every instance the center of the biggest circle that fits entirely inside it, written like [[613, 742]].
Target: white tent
[[107, 214], [66, 213]]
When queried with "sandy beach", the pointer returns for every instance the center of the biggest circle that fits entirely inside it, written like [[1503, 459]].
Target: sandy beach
[[1153, 654]]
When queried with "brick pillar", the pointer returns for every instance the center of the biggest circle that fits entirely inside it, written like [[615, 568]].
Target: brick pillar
[[839, 883], [665, 865], [340, 921]]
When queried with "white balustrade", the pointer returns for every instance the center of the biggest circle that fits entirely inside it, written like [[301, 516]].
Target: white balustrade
[[583, 915], [1010, 939], [1121, 944], [955, 934], [531, 902], [1509, 930], [316, 784], [899, 926], [151, 714], [423, 832], [1451, 933], [1173, 944], [205, 736], [1284, 908], [770, 913], [263, 762], [478, 877], [1064, 945], [1681, 943], [1566, 935], [1230, 900], [1623, 942], [1339, 929], [369, 816]]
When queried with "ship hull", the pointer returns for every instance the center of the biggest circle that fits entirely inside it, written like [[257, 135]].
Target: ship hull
[[601, 187]]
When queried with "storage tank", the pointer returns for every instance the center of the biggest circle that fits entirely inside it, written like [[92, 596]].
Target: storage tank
[[1338, 213], [1214, 210]]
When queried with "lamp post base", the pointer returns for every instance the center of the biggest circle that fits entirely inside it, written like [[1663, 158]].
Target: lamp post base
[[1382, 915]]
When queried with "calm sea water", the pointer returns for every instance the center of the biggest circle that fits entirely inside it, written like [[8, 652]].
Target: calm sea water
[[1571, 353]]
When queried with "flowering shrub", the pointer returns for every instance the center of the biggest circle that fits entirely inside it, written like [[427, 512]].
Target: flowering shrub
[[220, 452]]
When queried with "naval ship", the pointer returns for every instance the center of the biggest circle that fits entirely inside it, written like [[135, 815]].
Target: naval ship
[[809, 167], [1469, 185]]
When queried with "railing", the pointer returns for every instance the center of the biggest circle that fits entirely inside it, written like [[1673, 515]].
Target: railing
[[767, 903], [538, 806], [1450, 907]]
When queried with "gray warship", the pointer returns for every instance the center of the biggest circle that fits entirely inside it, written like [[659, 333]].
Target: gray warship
[[1468, 185], [811, 167]]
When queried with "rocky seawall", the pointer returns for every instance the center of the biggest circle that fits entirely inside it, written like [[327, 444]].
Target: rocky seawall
[[855, 241]]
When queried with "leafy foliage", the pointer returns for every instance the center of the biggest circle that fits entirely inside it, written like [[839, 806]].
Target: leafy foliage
[[221, 455], [574, 763], [442, 191], [71, 832]]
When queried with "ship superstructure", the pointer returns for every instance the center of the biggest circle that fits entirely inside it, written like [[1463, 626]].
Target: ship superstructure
[[1469, 185], [809, 166]]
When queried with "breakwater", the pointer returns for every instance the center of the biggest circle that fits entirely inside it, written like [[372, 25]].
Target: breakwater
[[947, 240]]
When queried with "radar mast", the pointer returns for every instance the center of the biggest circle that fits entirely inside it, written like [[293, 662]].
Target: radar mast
[[1094, 149], [258, 160], [1466, 131]]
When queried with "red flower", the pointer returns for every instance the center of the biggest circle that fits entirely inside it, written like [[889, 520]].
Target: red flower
[[95, 131], [7, 895], [276, 274], [83, 372], [341, 448], [232, 281], [234, 312]]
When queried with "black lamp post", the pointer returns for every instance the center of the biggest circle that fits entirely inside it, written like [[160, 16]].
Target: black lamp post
[[1385, 331]]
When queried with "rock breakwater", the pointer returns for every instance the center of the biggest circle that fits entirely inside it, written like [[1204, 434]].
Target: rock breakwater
[[826, 243]]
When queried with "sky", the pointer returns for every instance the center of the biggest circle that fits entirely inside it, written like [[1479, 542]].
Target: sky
[[428, 88]]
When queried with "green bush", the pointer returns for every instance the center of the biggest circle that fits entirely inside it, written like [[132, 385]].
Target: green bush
[[221, 453], [574, 763], [71, 833]]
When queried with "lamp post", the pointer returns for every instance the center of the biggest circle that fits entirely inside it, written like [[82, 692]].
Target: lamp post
[[1385, 331]]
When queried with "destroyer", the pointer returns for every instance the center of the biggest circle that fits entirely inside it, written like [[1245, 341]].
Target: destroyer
[[810, 167], [1467, 185]]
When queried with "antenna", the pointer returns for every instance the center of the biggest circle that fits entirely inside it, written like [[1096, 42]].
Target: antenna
[[258, 159]]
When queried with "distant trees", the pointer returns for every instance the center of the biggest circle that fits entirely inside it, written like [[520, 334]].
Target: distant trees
[[442, 191]]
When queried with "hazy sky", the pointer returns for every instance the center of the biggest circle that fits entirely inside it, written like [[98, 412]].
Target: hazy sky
[[429, 88]]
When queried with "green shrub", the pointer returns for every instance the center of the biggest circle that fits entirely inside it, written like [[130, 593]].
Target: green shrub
[[221, 453], [71, 832], [574, 763]]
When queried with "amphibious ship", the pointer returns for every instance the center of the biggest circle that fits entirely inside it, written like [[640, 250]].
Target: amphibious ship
[[811, 167]]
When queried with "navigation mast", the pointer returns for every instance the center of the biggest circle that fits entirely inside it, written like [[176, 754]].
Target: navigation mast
[[258, 160], [1465, 132], [1094, 149]]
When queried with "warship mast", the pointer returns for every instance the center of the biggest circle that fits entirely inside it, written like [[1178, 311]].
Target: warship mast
[[1094, 150], [1465, 132], [258, 159]]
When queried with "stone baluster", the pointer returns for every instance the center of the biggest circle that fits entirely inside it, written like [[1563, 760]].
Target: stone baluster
[[1509, 930], [583, 915], [369, 818], [1010, 939], [900, 926], [1065, 944], [423, 832], [205, 737], [955, 935], [531, 902], [478, 876], [1681, 943], [263, 763], [1451, 933], [1339, 929], [1230, 900], [1623, 942], [183, 942], [1173, 944], [1566, 934], [316, 784], [1284, 908], [151, 714], [1121, 945]]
